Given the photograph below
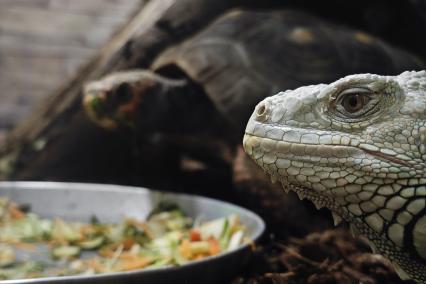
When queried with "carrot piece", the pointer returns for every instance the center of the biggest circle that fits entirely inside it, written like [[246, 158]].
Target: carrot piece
[[128, 256], [106, 252], [95, 265], [133, 264], [195, 236], [128, 243], [26, 246], [214, 246], [87, 229], [15, 212], [185, 249], [199, 256]]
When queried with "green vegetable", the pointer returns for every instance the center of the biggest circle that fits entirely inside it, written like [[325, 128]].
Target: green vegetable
[[98, 106], [92, 244], [65, 252], [213, 229], [21, 270], [161, 263], [220, 229], [65, 231], [230, 224], [7, 255], [168, 237], [166, 244], [178, 258], [164, 206]]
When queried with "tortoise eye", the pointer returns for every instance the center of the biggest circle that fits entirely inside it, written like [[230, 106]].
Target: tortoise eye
[[355, 102]]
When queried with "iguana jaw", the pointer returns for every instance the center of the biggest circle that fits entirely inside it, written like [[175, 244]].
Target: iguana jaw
[[321, 173], [323, 160]]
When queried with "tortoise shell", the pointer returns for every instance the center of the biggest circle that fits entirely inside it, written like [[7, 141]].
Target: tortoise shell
[[245, 56]]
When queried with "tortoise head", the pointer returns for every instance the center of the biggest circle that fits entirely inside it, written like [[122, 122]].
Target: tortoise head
[[114, 100]]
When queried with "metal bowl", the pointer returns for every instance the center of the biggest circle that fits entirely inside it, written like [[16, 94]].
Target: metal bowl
[[112, 203]]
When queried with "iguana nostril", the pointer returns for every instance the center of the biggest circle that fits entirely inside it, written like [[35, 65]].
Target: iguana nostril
[[262, 112]]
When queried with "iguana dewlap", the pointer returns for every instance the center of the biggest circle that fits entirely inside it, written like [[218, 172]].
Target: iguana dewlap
[[358, 147]]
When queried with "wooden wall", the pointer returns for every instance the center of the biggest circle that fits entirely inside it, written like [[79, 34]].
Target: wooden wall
[[43, 43]]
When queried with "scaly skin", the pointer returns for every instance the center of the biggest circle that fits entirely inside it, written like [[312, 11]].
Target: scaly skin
[[358, 147]]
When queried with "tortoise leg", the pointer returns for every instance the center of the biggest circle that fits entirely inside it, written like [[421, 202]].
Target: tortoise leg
[[147, 102]]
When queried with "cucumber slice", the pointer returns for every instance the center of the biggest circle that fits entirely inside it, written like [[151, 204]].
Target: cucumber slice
[[64, 231], [65, 252], [92, 244]]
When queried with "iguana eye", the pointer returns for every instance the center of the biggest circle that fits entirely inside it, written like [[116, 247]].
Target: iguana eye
[[353, 105], [354, 102]]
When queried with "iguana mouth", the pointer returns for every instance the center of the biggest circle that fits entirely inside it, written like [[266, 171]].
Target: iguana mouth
[[301, 146], [389, 158], [317, 150]]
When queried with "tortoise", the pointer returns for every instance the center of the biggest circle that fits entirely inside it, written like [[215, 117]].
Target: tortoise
[[212, 80]]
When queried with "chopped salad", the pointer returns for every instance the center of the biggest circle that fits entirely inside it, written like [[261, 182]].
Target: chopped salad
[[167, 237]]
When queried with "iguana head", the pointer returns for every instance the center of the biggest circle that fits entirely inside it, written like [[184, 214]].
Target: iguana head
[[356, 146]]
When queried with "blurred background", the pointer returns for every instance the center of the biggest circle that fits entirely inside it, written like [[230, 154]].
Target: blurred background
[[44, 43]]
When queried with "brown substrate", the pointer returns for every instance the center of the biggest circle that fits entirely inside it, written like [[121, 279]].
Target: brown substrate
[[328, 257]]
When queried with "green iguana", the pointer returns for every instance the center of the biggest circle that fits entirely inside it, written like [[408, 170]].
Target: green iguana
[[358, 147]]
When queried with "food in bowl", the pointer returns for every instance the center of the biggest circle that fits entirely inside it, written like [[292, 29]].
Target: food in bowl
[[168, 237]]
